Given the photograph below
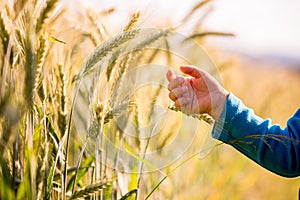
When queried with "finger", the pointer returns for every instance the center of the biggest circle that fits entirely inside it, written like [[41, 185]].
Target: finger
[[172, 96], [192, 71], [170, 75], [182, 102], [174, 83], [179, 91]]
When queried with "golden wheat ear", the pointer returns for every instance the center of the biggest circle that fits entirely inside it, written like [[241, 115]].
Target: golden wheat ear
[[103, 50], [132, 22], [4, 35], [45, 14]]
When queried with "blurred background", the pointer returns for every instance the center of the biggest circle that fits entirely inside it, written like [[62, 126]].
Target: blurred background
[[262, 27]]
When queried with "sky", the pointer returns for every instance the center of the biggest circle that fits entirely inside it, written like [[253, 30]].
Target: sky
[[262, 27]]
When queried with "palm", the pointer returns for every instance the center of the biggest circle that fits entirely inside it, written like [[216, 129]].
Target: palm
[[198, 94]]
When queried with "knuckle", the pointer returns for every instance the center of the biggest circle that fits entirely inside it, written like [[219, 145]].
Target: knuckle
[[180, 79]]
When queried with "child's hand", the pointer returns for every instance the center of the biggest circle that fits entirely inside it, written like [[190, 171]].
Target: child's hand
[[200, 93]]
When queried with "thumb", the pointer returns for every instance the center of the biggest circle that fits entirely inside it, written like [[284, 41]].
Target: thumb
[[192, 71]]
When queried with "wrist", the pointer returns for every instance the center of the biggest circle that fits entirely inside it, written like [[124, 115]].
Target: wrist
[[218, 104]]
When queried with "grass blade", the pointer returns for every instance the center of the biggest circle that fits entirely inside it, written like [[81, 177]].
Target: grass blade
[[130, 195]]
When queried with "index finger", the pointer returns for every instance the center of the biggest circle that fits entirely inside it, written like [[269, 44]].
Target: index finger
[[192, 71]]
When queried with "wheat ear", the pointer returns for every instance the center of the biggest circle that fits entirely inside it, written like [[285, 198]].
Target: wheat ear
[[132, 22], [62, 114], [202, 117], [41, 55], [89, 190], [103, 50], [4, 36], [45, 13]]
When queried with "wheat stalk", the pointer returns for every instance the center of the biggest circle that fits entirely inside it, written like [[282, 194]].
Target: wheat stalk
[[63, 121], [137, 126]]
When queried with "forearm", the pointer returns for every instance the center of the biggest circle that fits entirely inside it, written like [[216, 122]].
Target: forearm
[[270, 146]]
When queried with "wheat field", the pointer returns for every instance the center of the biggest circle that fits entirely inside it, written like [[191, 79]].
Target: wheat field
[[70, 128]]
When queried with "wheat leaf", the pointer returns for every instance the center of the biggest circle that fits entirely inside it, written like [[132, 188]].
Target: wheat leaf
[[79, 173], [54, 39], [194, 9], [211, 33], [50, 180]]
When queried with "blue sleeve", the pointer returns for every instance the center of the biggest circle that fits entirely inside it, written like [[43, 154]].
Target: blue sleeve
[[272, 147]]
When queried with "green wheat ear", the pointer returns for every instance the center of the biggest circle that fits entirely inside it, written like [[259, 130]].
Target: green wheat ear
[[90, 190]]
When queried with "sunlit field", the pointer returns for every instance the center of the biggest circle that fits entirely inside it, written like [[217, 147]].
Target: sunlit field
[[85, 113]]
